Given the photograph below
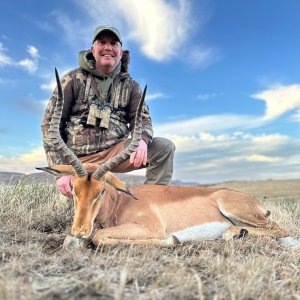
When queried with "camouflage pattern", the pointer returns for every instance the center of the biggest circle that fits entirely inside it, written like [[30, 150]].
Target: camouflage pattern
[[82, 138]]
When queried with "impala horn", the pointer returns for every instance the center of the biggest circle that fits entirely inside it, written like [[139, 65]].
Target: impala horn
[[54, 138]]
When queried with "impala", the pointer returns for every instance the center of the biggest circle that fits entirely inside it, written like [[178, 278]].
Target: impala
[[106, 212]]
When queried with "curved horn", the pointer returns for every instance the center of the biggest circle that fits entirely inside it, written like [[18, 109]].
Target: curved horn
[[54, 138], [125, 154]]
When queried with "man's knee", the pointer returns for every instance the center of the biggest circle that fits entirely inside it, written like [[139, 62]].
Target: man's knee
[[160, 144], [169, 145]]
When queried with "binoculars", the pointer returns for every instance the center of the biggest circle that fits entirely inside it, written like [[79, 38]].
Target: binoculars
[[101, 113]]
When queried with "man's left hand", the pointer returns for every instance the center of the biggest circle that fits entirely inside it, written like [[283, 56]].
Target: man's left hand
[[139, 156]]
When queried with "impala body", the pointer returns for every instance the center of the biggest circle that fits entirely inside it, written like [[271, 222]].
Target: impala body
[[108, 213]]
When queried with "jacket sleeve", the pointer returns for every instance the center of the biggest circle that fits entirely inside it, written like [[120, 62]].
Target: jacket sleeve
[[135, 96], [67, 83]]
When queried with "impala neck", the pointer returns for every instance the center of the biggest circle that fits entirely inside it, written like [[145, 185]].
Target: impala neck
[[111, 207]]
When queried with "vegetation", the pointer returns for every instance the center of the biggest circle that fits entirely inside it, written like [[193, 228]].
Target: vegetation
[[34, 221]]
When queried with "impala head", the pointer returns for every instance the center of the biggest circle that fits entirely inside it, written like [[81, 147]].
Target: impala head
[[88, 195], [89, 180]]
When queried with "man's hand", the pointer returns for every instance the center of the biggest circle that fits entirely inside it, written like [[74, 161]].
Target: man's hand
[[64, 185], [139, 156]]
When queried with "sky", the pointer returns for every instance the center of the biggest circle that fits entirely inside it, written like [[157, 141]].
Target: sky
[[223, 78]]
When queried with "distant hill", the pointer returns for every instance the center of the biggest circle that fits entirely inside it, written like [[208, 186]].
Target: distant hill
[[10, 177], [13, 178], [131, 180]]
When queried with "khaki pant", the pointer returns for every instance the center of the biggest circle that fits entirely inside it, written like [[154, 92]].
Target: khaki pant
[[160, 158]]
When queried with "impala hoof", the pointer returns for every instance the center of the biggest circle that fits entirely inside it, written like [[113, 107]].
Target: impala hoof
[[171, 241], [243, 233]]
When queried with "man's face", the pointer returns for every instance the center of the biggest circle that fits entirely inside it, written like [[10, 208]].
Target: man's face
[[107, 52]]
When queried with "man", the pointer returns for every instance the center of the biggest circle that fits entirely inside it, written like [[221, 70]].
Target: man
[[100, 102]]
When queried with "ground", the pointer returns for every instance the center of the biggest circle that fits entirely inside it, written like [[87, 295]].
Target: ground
[[33, 265]]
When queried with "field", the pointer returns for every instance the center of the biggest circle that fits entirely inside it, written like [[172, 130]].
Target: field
[[33, 265]]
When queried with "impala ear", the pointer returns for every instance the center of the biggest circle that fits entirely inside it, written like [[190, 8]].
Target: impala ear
[[128, 193], [117, 183], [113, 180], [58, 170]]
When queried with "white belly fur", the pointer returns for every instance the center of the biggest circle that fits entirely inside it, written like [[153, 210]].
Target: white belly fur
[[208, 231]]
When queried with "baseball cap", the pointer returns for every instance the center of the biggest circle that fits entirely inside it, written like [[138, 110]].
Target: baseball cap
[[112, 29]]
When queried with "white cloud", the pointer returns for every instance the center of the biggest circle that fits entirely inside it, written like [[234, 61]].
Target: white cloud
[[33, 51], [271, 139], [24, 163], [206, 140], [49, 86], [157, 21], [279, 100], [4, 58], [202, 56], [210, 123], [155, 96], [296, 116], [29, 64], [263, 158]]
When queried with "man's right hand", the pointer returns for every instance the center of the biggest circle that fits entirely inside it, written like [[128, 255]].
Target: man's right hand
[[64, 185]]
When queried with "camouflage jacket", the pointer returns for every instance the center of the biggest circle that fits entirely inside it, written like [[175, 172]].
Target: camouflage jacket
[[81, 138]]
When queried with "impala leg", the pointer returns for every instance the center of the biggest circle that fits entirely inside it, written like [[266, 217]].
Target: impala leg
[[131, 234], [241, 209], [271, 229]]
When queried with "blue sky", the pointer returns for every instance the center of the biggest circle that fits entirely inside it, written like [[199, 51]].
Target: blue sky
[[223, 78]]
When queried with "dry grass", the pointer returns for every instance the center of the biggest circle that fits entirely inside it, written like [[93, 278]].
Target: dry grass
[[34, 222]]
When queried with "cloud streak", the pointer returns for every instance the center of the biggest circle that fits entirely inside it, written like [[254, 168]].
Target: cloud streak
[[155, 96], [204, 97], [203, 56], [296, 116], [279, 100], [211, 123], [4, 58]]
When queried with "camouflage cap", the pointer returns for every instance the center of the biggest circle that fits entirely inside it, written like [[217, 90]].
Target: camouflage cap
[[112, 29]]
